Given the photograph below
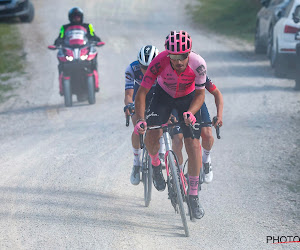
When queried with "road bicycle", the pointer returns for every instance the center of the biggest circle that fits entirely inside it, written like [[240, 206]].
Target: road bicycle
[[146, 166], [147, 171], [176, 179]]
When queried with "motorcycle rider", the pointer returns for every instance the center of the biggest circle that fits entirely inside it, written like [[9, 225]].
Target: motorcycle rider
[[75, 34]]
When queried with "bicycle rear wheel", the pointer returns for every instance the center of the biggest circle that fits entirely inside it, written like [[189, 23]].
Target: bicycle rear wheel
[[147, 176], [175, 189]]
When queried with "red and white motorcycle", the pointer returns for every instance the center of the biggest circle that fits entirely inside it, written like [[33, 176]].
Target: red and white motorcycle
[[78, 73]]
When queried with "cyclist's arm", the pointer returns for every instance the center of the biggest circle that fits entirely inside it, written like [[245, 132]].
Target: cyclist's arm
[[219, 104], [140, 100], [129, 85], [197, 101], [128, 96]]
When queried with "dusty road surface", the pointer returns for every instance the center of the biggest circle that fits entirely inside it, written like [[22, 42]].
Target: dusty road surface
[[65, 171]]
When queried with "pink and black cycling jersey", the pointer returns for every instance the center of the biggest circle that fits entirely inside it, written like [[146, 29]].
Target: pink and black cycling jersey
[[176, 85]]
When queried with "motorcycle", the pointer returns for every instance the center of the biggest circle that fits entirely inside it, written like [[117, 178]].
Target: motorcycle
[[78, 71]]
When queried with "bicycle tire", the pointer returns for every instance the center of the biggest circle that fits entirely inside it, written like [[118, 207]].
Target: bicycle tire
[[147, 177], [177, 187], [186, 198]]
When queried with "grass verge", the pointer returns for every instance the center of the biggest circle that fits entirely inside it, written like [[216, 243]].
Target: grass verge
[[11, 56], [228, 17]]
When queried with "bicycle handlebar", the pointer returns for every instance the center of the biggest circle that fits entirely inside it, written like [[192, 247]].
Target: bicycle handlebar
[[179, 123]]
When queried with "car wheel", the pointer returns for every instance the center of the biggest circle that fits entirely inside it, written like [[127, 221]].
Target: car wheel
[[258, 46], [275, 62], [28, 18], [270, 42]]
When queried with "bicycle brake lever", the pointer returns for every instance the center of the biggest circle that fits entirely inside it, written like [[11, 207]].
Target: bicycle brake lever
[[215, 119], [191, 128], [142, 138], [127, 120]]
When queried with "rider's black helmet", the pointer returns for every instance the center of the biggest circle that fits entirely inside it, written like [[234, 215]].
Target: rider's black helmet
[[75, 12]]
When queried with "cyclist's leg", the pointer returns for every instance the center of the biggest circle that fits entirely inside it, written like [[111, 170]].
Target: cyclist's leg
[[177, 139], [192, 145], [135, 140], [157, 113], [206, 131], [207, 143], [162, 148], [177, 145], [193, 149]]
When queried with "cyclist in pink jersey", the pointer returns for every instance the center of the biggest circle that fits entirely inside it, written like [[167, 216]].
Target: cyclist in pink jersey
[[181, 77]]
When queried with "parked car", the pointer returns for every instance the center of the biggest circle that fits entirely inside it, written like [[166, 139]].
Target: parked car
[[285, 38], [17, 8], [266, 18]]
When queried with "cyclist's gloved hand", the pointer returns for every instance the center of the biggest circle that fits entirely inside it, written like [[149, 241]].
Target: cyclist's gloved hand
[[217, 121], [140, 127], [129, 109], [189, 118]]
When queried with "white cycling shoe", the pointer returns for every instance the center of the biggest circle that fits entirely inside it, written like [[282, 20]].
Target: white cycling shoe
[[135, 175], [208, 173]]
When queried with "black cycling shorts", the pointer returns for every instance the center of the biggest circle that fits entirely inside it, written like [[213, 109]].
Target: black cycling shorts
[[162, 105], [204, 116], [149, 95]]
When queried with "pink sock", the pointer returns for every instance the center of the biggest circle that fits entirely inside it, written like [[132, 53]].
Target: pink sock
[[155, 160], [193, 184]]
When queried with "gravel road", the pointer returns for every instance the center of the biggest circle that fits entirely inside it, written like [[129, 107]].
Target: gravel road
[[65, 171]]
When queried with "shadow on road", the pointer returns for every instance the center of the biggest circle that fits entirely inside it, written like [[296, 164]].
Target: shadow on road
[[43, 108], [85, 208]]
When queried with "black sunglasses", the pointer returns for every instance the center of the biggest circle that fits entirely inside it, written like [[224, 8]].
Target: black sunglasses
[[180, 57]]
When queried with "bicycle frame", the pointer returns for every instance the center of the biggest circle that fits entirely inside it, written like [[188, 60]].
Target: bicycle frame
[[167, 139]]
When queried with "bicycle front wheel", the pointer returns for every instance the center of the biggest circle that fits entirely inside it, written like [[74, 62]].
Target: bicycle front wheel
[[147, 176], [175, 186]]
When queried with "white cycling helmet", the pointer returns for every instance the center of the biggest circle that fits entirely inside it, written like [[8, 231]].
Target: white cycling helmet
[[146, 54]]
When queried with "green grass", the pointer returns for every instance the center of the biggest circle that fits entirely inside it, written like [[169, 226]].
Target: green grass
[[229, 17], [11, 57]]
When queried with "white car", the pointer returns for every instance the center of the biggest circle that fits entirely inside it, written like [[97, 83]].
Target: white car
[[286, 35]]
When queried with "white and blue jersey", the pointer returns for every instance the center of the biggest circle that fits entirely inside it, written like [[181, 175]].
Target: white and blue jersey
[[134, 77]]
